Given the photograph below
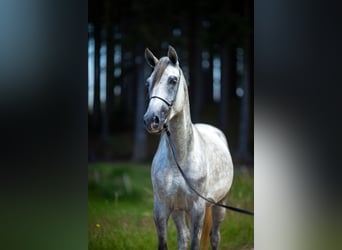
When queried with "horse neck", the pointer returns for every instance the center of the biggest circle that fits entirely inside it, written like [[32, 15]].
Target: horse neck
[[180, 127]]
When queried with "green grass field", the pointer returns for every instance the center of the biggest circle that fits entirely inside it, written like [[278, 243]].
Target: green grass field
[[120, 204]]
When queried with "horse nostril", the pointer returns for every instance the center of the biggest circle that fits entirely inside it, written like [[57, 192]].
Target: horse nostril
[[156, 120]]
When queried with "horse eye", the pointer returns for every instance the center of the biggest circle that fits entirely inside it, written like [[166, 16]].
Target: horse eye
[[173, 80]]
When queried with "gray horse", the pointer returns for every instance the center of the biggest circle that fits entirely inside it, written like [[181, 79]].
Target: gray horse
[[202, 152]]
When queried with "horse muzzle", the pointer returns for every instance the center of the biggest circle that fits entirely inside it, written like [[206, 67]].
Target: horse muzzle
[[154, 123]]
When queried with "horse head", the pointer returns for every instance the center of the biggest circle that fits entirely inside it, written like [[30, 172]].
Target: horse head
[[163, 85]]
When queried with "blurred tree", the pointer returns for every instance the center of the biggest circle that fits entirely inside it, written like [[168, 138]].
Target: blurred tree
[[227, 81], [242, 152], [208, 80], [97, 102], [109, 73], [140, 139], [195, 62], [243, 148]]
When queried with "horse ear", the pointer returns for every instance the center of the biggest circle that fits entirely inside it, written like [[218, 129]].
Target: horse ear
[[150, 58], [172, 54]]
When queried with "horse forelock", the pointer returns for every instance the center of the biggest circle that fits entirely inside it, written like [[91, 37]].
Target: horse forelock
[[160, 68]]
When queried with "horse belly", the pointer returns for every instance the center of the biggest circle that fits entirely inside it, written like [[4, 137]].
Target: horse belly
[[220, 177], [219, 162]]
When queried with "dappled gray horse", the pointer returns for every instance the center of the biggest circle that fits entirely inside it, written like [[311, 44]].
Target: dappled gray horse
[[201, 151]]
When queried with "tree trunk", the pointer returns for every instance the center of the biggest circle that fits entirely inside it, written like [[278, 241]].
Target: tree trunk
[[140, 137], [243, 153], [97, 70], [210, 80], [243, 150], [227, 81], [195, 69], [109, 75], [127, 77]]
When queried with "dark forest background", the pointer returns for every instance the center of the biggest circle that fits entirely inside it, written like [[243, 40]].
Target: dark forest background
[[214, 42]]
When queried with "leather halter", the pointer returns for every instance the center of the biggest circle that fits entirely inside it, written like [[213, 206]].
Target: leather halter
[[157, 97]]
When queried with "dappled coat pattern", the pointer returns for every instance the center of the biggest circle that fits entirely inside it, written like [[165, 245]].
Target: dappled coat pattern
[[202, 151]]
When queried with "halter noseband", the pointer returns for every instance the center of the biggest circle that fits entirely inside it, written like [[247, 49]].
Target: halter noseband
[[167, 103]]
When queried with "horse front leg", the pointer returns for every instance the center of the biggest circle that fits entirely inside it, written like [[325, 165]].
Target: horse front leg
[[161, 216], [179, 217], [197, 214]]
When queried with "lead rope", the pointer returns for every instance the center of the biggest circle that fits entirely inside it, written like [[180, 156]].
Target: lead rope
[[190, 185]]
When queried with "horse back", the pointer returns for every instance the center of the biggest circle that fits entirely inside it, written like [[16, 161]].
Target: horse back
[[211, 134]]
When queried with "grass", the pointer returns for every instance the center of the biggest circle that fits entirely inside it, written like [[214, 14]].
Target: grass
[[120, 210]]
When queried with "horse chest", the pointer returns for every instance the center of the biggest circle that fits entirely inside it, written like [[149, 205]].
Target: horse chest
[[171, 188]]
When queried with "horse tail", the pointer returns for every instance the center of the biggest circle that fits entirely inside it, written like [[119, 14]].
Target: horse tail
[[204, 243]]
